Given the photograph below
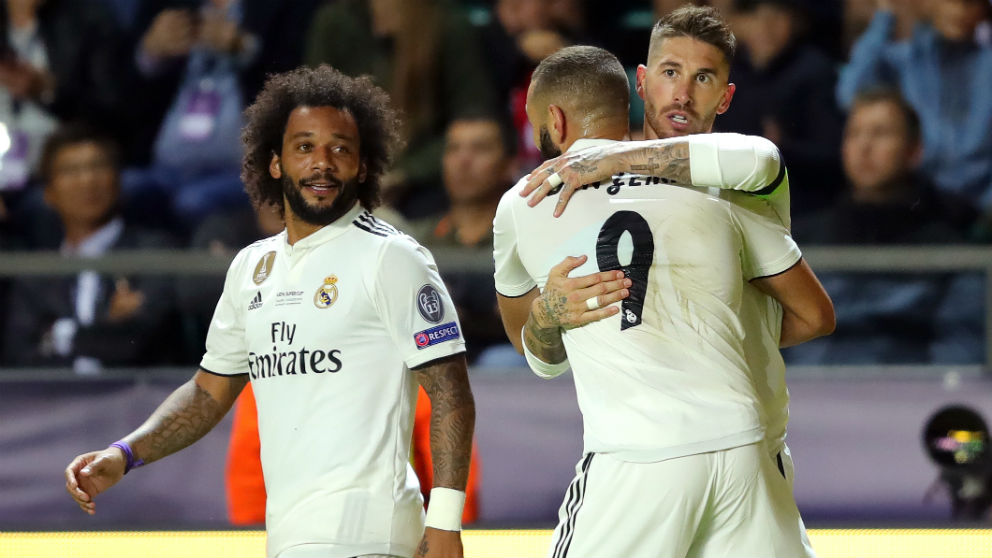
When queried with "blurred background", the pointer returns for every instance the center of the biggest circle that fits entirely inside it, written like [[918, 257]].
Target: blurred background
[[121, 207]]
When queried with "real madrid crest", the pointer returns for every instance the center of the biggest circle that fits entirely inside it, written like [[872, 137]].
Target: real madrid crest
[[263, 268], [327, 294]]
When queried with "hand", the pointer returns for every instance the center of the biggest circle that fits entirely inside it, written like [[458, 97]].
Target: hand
[[125, 302], [92, 473], [22, 80], [218, 33], [563, 302], [440, 544], [538, 44], [575, 169], [172, 33]]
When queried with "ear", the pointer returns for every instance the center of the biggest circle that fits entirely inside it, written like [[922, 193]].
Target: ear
[[642, 72], [363, 171], [559, 125], [275, 167], [915, 155], [727, 96]]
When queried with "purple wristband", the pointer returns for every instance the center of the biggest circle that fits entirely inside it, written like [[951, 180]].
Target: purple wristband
[[131, 463]]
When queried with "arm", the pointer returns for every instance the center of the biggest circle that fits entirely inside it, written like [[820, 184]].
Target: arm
[[808, 312], [727, 161], [452, 422], [183, 418], [870, 62]]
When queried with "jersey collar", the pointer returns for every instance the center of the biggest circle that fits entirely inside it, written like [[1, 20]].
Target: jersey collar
[[325, 233], [583, 143]]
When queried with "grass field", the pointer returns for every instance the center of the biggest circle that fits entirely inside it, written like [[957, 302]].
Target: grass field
[[829, 543]]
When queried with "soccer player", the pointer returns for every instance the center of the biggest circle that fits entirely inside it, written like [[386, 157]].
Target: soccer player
[[680, 99], [334, 321], [674, 462]]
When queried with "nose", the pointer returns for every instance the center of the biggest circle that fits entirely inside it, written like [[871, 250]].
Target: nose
[[322, 159], [683, 94]]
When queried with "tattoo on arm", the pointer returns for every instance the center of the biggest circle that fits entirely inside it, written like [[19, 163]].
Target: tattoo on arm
[[452, 419], [584, 168], [185, 417], [544, 342], [669, 161]]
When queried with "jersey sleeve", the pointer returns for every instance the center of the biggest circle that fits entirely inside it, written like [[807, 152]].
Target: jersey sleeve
[[511, 277], [227, 352], [415, 305], [735, 161], [768, 247]]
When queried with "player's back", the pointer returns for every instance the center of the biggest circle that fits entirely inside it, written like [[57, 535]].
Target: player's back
[[666, 376]]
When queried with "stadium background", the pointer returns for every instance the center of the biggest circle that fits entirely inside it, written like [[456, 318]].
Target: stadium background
[[864, 481]]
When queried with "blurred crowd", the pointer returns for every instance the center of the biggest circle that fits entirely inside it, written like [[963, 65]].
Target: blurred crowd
[[120, 129]]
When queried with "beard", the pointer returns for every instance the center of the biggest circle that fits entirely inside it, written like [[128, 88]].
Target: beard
[[698, 124], [548, 148], [317, 214]]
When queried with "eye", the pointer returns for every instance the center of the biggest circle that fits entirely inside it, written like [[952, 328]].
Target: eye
[[668, 72], [703, 78], [342, 149], [305, 147]]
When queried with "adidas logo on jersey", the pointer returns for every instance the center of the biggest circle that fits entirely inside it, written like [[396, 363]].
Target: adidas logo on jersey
[[256, 302]]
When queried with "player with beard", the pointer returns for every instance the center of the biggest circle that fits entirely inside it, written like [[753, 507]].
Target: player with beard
[[685, 86], [334, 321]]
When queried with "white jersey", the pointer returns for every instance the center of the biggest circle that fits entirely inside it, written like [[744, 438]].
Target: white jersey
[[668, 375], [761, 316], [327, 329]]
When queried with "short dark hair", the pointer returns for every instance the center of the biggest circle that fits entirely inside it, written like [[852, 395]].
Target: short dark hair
[[507, 133], [74, 133], [889, 95], [587, 71], [323, 86], [702, 23]]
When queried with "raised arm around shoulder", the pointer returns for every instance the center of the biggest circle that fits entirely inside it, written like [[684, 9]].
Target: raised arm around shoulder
[[808, 312], [735, 162]]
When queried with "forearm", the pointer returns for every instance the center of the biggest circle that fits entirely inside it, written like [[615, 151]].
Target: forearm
[[726, 161], [452, 420], [796, 330], [183, 418], [544, 343], [868, 55]]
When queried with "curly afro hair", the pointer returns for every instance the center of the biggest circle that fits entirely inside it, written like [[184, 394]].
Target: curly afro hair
[[378, 127]]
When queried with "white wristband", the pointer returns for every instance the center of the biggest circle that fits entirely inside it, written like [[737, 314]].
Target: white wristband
[[445, 509], [542, 369]]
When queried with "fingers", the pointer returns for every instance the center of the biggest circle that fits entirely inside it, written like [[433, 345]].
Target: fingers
[[566, 194], [537, 177], [606, 292], [584, 281], [76, 469], [563, 268]]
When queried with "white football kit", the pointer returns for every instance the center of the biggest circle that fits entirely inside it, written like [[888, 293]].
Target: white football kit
[[327, 329], [666, 378]]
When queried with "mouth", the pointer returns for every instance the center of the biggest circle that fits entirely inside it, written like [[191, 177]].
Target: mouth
[[679, 120], [320, 187]]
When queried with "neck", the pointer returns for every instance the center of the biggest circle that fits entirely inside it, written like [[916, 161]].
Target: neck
[[472, 221], [76, 233], [612, 129], [895, 190]]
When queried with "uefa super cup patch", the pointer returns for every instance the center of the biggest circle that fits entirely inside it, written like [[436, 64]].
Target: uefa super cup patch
[[435, 335], [429, 304]]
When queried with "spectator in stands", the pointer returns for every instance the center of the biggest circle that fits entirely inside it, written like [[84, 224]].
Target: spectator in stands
[[944, 74], [89, 320], [478, 168], [785, 93], [520, 35], [59, 61], [201, 62], [426, 54], [891, 318]]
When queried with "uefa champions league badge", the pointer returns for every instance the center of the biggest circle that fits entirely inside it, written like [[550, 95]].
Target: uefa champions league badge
[[327, 294], [263, 268], [429, 304]]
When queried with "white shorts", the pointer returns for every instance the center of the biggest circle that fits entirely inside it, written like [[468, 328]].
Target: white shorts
[[732, 502]]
